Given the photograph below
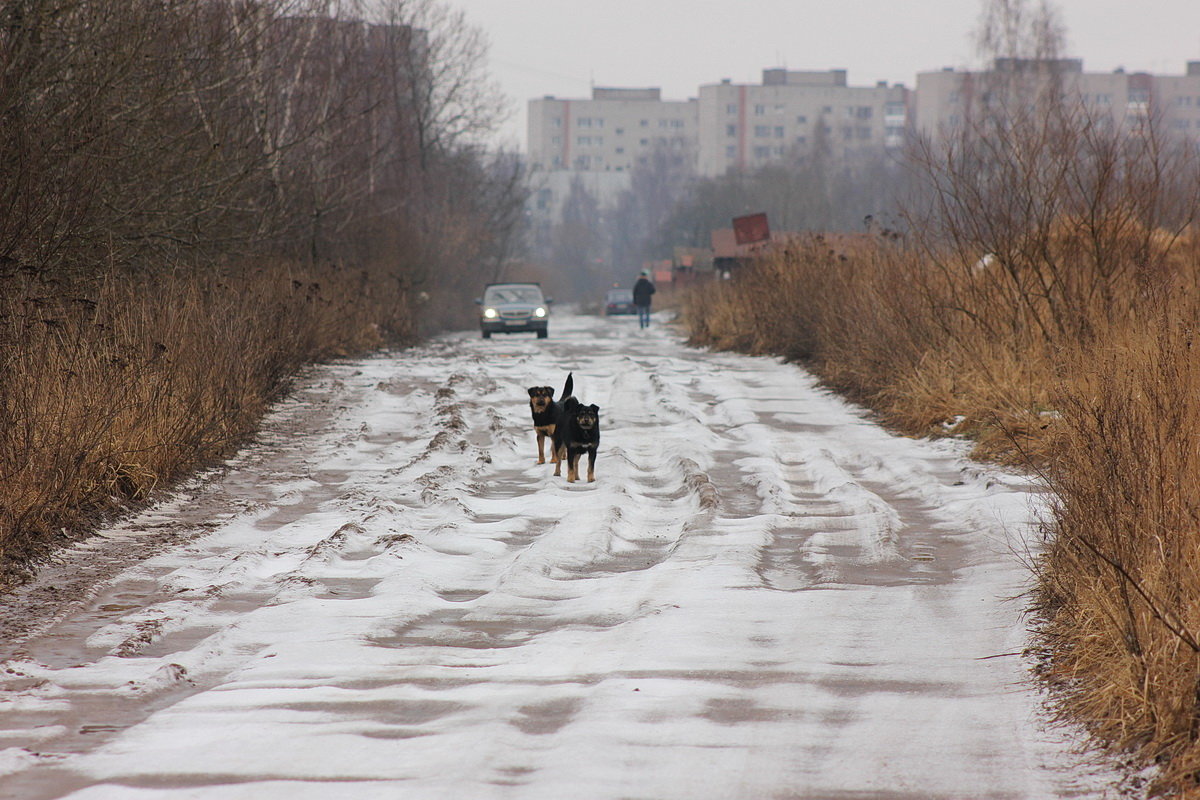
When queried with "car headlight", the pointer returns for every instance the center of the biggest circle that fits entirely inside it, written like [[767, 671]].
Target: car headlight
[[489, 313], [539, 312]]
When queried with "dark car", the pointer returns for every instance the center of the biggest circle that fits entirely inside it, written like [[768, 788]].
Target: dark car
[[619, 301], [513, 308]]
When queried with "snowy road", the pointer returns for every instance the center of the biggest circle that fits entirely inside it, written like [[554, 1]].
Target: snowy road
[[763, 595]]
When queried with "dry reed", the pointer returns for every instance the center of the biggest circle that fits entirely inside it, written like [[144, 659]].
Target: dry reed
[[115, 388]]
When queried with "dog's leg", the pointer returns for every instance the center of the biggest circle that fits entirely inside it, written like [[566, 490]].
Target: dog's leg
[[557, 457], [592, 465], [572, 466], [541, 439]]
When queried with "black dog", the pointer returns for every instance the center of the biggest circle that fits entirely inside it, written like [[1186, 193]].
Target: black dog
[[577, 432], [546, 413]]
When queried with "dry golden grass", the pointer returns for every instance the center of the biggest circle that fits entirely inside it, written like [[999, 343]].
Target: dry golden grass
[[1096, 385], [1120, 583], [115, 389]]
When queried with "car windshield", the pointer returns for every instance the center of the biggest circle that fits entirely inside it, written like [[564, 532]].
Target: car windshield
[[620, 296], [512, 294]]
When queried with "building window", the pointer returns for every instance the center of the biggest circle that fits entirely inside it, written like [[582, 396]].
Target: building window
[[762, 130], [644, 142], [556, 140], [762, 152], [801, 140], [557, 122], [584, 122], [778, 131], [676, 123], [731, 130], [663, 123], [620, 131], [583, 140], [802, 120], [730, 151], [863, 133], [827, 109], [759, 110], [731, 108], [645, 123], [620, 150]]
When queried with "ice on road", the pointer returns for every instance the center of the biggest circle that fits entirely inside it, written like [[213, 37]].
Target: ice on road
[[763, 595]]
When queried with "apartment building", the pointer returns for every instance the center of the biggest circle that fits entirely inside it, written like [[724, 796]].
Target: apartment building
[[597, 142], [942, 99], [791, 113], [610, 132]]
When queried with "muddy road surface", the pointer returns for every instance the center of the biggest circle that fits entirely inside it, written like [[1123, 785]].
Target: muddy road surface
[[762, 595]]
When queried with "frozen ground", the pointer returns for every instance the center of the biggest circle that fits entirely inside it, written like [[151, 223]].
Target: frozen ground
[[763, 595]]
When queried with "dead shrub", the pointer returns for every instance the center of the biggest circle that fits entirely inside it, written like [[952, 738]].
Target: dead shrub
[[114, 389]]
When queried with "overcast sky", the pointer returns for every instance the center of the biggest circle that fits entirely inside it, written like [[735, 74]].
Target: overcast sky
[[563, 47]]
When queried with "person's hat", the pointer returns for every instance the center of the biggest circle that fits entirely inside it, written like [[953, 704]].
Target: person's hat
[[646, 272]]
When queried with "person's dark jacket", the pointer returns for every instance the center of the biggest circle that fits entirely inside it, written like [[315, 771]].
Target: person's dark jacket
[[642, 291]]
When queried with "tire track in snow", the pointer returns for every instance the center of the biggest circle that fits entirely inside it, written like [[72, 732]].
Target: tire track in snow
[[740, 606]]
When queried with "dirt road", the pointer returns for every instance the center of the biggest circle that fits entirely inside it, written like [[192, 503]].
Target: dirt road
[[763, 595]]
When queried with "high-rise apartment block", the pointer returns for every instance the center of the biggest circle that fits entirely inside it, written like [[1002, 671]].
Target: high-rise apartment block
[[598, 142], [729, 125], [609, 132], [792, 113], [943, 99]]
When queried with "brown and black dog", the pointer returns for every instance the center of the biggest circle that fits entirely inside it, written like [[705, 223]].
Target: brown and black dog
[[576, 432], [546, 413]]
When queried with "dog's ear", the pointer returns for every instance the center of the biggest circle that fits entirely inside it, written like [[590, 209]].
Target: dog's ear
[[595, 409], [532, 390]]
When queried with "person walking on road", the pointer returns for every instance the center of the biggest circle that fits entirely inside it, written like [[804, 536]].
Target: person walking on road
[[642, 290]]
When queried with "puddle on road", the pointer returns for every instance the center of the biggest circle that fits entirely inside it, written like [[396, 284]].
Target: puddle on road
[[551, 716], [739, 710], [452, 628]]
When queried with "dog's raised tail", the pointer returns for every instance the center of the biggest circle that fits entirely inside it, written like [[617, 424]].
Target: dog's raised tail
[[568, 387]]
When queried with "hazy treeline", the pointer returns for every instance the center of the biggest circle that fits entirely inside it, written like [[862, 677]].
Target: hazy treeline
[[200, 195], [1042, 297], [667, 205]]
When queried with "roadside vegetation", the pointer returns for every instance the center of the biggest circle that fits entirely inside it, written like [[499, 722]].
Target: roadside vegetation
[[1040, 295], [199, 198]]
